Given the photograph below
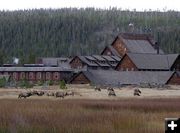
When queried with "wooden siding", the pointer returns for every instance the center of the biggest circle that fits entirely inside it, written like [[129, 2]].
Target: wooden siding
[[76, 63], [176, 65], [120, 47], [107, 51], [80, 79], [56, 76], [126, 64], [174, 80]]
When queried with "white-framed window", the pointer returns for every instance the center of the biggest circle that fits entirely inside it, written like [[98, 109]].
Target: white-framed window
[[22, 75], [48, 75], [39, 75], [31, 75]]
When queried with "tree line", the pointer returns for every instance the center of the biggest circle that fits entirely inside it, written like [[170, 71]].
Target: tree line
[[27, 34]]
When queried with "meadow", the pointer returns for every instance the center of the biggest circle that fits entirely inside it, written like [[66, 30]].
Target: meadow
[[86, 116]]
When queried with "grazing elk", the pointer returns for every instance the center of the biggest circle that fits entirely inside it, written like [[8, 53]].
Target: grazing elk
[[111, 93], [110, 89], [97, 88], [41, 93], [50, 94], [59, 94], [24, 95], [137, 92], [69, 93]]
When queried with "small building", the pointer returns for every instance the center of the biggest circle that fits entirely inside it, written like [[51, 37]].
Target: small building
[[54, 62], [37, 73], [149, 62], [118, 78], [94, 62], [131, 42]]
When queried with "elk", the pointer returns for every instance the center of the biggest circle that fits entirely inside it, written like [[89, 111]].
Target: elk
[[111, 93], [137, 92], [97, 88], [59, 94], [24, 95]]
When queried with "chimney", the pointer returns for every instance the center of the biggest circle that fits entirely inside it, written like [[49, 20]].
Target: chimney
[[157, 47], [131, 27]]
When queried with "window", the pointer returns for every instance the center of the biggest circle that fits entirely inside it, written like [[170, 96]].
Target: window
[[15, 75], [56, 75], [22, 75], [38, 75], [48, 75], [31, 75]]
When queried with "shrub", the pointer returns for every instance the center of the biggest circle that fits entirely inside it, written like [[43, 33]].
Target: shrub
[[25, 84], [2, 82], [62, 85], [40, 83], [50, 82]]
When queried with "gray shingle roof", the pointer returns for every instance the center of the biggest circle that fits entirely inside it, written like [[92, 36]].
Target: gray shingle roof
[[32, 69], [116, 58], [139, 43], [116, 78], [100, 60], [90, 58], [108, 58], [139, 46], [88, 62], [153, 61], [99, 57], [52, 61]]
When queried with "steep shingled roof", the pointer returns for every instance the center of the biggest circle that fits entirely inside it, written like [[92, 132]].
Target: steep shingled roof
[[153, 61], [99, 60], [116, 78], [138, 43]]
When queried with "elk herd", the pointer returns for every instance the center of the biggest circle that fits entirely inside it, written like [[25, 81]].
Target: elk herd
[[62, 94], [111, 91], [41, 93]]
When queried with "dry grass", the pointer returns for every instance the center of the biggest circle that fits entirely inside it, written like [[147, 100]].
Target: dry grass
[[86, 116]]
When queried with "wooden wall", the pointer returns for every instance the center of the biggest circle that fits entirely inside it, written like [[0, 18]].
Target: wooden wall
[[80, 79], [176, 65], [76, 63], [175, 79], [39, 76], [107, 51], [126, 64], [120, 47]]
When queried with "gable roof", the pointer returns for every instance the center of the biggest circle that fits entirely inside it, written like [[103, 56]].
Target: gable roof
[[113, 51], [86, 61], [138, 43], [99, 60], [116, 78], [153, 61]]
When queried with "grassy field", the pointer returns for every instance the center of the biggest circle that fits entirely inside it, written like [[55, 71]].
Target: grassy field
[[86, 116]]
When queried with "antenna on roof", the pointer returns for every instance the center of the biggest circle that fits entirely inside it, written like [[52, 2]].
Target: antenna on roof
[[131, 27]]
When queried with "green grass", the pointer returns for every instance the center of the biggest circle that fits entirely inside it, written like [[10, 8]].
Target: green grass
[[86, 116]]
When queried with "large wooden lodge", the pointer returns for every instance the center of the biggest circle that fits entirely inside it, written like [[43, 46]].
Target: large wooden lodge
[[130, 59]]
